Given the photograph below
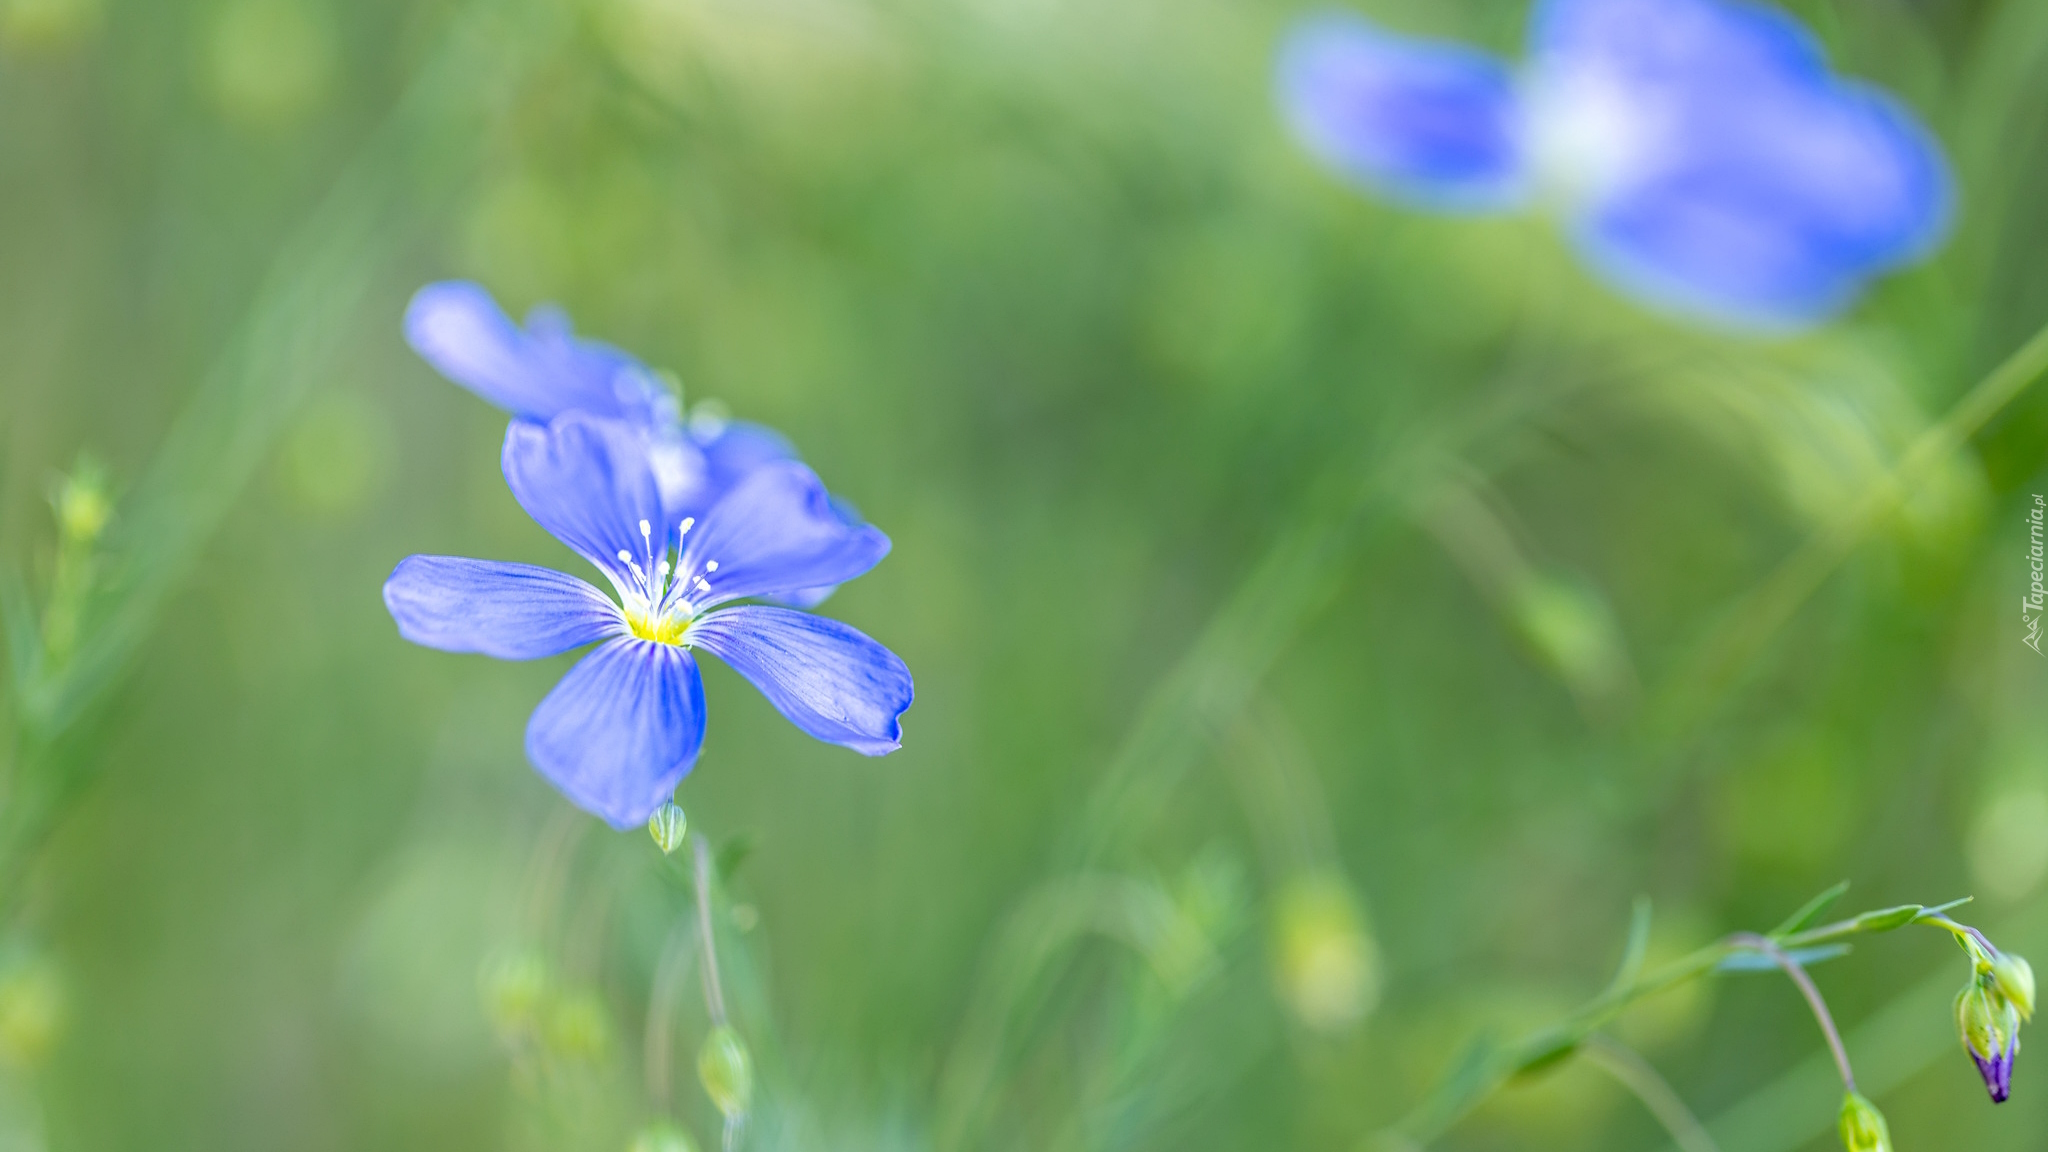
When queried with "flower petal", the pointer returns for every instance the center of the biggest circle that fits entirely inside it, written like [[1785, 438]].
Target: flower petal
[[734, 448], [591, 483], [1720, 169], [510, 611], [828, 678], [778, 532], [536, 373], [1425, 121], [621, 730]]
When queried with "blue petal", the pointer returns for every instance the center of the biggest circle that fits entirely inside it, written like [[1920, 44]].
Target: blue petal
[[733, 449], [1425, 121], [828, 678], [1721, 170], [777, 533], [591, 484], [621, 730], [511, 611], [535, 374]]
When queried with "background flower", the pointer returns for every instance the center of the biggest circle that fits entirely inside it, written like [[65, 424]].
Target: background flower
[[1702, 155]]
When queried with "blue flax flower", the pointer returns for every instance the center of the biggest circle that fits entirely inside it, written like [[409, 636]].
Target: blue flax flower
[[538, 372], [1701, 154], [624, 725]]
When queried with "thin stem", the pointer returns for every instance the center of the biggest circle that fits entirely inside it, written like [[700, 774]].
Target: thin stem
[[1769, 947], [1635, 1074], [714, 992], [659, 1032], [1771, 604]]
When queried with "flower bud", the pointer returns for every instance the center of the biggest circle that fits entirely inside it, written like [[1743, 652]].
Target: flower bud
[[83, 505], [726, 1072], [1327, 964], [662, 1136], [32, 1011], [1989, 1025], [2015, 979], [668, 826], [1863, 1128], [579, 1028], [514, 986]]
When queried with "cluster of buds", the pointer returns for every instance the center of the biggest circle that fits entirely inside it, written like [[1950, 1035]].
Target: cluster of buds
[[1991, 1008]]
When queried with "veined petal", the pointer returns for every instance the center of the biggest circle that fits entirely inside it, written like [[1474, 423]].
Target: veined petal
[[1716, 167], [778, 532], [591, 483], [734, 448], [1426, 121], [536, 373], [621, 730], [510, 611], [828, 678]]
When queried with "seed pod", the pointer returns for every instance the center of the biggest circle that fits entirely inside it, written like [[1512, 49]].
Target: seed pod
[[668, 826], [726, 1072]]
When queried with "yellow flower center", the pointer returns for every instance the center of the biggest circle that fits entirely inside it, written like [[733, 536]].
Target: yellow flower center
[[668, 628]]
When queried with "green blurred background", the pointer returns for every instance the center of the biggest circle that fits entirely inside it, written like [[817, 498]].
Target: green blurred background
[[1043, 288]]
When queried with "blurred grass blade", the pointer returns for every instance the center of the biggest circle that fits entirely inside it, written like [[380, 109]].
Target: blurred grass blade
[[1700, 686], [1637, 947]]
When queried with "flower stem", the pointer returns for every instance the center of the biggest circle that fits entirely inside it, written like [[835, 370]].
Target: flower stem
[[714, 992], [1634, 1073], [1769, 947], [1699, 687]]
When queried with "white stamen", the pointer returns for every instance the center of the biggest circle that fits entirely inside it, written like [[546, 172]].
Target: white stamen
[[625, 557], [688, 522], [711, 565], [646, 529]]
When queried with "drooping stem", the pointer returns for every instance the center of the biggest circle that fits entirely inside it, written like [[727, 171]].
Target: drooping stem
[[1782, 959], [1634, 1073], [714, 992]]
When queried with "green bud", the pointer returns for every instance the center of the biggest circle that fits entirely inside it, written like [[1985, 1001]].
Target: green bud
[[1325, 958], [578, 1027], [514, 986], [726, 1072], [32, 1011], [661, 1136], [1978, 1020], [2015, 980], [83, 504], [668, 826], [1863, 1128]]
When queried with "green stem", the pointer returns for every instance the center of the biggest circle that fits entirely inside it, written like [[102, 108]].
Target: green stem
[[1480, 1078], [1821, 1015], [1634, 1073], [1767, 607]]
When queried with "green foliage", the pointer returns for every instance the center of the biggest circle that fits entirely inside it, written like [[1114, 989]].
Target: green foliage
[[1326, 619]]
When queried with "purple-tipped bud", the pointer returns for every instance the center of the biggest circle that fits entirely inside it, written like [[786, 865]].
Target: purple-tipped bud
[[1990, 1028], [1997, 1072]]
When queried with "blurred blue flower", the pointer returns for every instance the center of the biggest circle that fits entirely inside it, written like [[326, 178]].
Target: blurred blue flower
[[624, 726], [1703, 157]]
